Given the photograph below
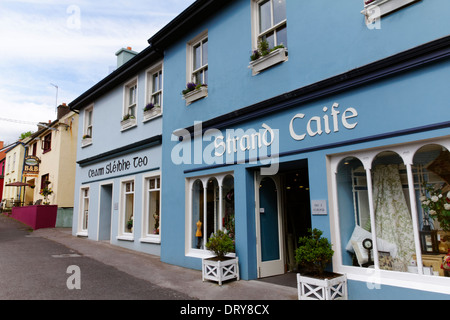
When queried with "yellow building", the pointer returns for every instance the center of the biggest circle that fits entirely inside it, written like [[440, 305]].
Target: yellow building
[[54, 144], [13, 173]]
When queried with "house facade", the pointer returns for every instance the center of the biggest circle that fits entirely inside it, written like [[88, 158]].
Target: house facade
[[118, 175], [50, 155], [13, 166], [280, 116]]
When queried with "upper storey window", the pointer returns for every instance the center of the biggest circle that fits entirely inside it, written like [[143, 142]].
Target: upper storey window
[[272, 22]]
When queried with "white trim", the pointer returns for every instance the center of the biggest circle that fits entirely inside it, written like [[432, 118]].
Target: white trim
[[190, 54], [376, 277], [189, 182], [121, 234], [125, 107], [80, 231], [158, 66], [145, 236]]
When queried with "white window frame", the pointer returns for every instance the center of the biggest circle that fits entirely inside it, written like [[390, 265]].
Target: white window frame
[[150, 90], [190, 72], [83, 232], [220, 177], [122, 234], [88, 126], [376, 277], [379, 8], [126, 102], [256, 33], [147, 235]]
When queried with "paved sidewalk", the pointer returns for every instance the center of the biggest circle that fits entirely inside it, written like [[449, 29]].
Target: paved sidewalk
[[151, 269]]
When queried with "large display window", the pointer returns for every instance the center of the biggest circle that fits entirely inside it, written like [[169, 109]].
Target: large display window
[[392, 207]]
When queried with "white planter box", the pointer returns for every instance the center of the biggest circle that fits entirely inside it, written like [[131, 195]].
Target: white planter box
[[273, 58], [126, 124], [220, 270], [322, 289], [152, 113], [86, 142], [196, 95]]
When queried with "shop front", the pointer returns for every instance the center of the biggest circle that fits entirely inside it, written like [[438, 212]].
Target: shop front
[[119, 198], [354, 157]]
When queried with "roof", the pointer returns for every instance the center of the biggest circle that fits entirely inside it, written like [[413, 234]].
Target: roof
[[179, 26]]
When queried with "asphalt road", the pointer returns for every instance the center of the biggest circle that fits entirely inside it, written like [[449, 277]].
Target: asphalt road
[[34, 268]]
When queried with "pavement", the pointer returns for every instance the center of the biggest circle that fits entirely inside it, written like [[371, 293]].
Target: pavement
[[149, 268]]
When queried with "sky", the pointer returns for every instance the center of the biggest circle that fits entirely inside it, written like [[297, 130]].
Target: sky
[[52, 51]]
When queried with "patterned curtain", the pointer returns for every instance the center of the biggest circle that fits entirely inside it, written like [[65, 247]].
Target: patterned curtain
[[393, 219]]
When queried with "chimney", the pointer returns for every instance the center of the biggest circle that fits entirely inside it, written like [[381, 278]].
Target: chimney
[[63, 109], [124, 55]]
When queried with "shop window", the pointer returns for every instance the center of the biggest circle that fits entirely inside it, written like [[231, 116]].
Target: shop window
[[127, 210], [152, 211], [212, 209], [83, 212], [394, 208]]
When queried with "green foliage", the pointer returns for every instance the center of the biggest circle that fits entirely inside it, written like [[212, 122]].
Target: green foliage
[[314, 251], [220, 243], [25, 135]]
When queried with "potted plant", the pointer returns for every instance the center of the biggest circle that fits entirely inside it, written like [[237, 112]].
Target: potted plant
[[220, 267], [264, 58], [87, 139], [46, 192], [436, 203], [313, 255], [194, 92], [151, 110]]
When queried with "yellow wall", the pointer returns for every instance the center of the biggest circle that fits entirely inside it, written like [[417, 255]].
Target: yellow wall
[[59, 163], [13, 171]]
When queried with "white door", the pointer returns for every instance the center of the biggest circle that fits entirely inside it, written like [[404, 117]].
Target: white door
[[269, 226]]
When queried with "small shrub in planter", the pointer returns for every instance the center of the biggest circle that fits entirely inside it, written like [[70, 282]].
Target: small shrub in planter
[[314, 254], [220, 268]]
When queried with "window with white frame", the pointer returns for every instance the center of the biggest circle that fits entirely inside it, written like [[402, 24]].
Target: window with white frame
[[84, 211], [211, 209], [152, 207], [88, 127], [270, 23], [393, 209], [154, 94], [88, 122], [127, 208], [130, 103], [198, 60]]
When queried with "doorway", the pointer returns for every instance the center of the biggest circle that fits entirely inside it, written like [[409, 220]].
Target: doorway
[[283, 214], [104, 228]]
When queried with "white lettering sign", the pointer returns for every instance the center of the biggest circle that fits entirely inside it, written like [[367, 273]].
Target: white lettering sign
[[328, 123]]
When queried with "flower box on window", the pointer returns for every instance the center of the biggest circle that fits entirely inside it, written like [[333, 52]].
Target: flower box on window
[[194, 92], [87, 140], [275, 57], [375, 9], [128, 122], [151, 111]]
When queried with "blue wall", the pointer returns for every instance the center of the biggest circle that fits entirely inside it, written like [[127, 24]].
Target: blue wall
[[325, 38]]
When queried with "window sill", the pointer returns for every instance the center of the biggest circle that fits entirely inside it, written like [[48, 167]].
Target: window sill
[[123, 237], [151, 239], [86, 142], [196, 95], [273, 58], [128, 124], [82, 234], [379, 8], [152, 114]]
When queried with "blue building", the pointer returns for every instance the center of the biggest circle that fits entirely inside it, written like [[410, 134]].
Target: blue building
[[282, 116]]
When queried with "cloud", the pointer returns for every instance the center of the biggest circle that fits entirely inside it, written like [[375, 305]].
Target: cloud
[[70, 43]]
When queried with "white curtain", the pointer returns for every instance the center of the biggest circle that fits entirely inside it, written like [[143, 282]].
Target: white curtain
[[393, 219]]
